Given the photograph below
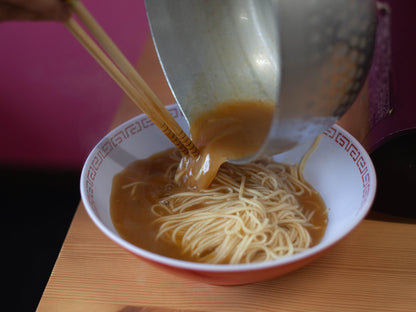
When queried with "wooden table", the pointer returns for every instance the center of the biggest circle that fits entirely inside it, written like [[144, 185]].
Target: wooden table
[[373, 269]]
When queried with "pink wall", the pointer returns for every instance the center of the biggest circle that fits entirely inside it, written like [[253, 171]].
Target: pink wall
[[55, 101]]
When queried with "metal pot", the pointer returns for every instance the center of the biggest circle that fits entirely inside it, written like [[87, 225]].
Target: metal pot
[[307, 57]]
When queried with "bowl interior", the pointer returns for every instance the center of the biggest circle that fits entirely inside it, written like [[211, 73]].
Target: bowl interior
[[339, 168]]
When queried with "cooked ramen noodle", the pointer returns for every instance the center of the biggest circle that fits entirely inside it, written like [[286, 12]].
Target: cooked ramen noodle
[[250, 212]]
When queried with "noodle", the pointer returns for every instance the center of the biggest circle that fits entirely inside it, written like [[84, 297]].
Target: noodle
[[205, 209], [250, 213]]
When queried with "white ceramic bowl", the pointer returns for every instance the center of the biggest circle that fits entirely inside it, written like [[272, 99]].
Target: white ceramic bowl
[[339, 168]]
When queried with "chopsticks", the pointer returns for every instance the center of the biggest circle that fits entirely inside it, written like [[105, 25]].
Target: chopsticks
[[126, 76]]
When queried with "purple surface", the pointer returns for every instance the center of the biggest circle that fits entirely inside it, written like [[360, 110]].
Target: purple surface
[[402, 82]]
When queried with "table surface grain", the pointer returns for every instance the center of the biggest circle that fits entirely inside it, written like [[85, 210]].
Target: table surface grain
[[372, 269]]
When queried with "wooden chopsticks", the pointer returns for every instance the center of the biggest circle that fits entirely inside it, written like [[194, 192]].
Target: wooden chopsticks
[[126, 76]]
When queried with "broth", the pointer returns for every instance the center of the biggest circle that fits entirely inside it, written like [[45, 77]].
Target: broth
[[234, 130], [144, 183]]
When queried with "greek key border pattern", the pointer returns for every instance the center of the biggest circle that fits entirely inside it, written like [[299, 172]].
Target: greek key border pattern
[[354, 153], [106, 146]]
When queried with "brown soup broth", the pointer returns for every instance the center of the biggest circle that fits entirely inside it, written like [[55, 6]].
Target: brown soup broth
[[235, 129], [144, 183]]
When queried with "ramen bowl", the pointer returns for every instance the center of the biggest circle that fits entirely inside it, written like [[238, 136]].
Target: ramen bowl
[[338, 168]]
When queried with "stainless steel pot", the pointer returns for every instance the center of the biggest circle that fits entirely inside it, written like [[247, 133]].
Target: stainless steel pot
[[309, 57]]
